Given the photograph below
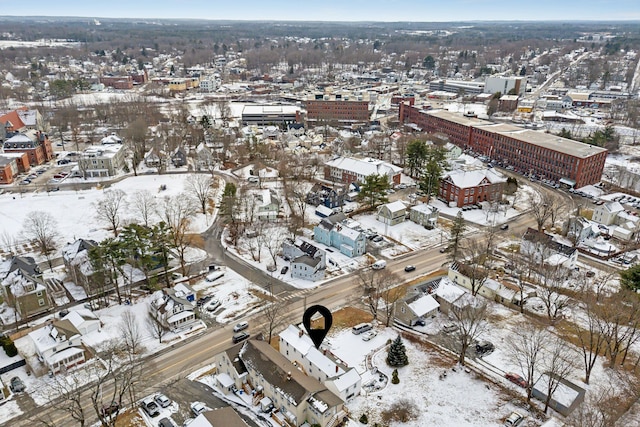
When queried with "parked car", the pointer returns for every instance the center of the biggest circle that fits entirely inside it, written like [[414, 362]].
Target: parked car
[[504, 227], [165, 422], [149, 406], [110, 409], [449, 327], [368, 336], [240, 337], [409, 268], [516, 379], [514, 420], [213, 305], [162, 400], [203, 300], [197, 408], [484, 347], [284, 269], [16, 385], [241, 326]]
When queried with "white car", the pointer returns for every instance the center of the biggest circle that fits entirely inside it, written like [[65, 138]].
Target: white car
[[514, 420], [368, 336], [197, 408], [213, 305]]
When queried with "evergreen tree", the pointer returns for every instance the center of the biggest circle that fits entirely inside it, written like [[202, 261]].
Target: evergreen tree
[[373, 191], [394, 377], [456, 233], [397, 355], [434, 166]]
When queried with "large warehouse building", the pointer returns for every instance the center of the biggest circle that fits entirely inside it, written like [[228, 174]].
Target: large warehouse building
[[530, 152]]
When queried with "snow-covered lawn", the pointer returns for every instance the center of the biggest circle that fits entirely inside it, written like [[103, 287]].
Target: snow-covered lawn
[[75, 211], [407, 233]]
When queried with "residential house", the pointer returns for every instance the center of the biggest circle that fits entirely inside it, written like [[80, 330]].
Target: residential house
[[424, 215], [548, 249], [414, 308], [172, 309], [179, 157], [219, 417], [623, 225], [102, 160], [322, 195], [152, 159], [34, 143], [269, 204], [308, 262], [205, 159], [467, 187], [23, 287], [578, 229], [299, 349], [78, 265], [59, 343], [335, 231], [392, 213], [460, 274], [447, 294], [262, 371], [348, 170]]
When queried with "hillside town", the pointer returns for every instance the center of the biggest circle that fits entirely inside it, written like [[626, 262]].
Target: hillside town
[[465, 203]]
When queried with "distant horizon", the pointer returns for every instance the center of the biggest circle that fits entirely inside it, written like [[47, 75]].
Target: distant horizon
[[423, 11]]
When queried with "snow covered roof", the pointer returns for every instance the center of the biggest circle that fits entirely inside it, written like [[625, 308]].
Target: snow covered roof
[[180, 316], [347, 379], [64, 354], [365, 167], [448, 291], [302, 344], [424, 208], [613, 207], [225, 380], [396, 206], [472, 178], [423, 305]]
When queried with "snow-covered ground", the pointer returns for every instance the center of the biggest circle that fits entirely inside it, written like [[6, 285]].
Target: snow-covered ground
[[75, 211]]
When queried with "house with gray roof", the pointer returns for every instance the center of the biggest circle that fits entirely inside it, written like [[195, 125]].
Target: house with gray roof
[[296, 397], [333, 231], [172, 309], [308, 262], [22, 286]]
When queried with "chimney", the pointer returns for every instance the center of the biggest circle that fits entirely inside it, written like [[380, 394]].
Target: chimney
[[337, 369], [300, 333]]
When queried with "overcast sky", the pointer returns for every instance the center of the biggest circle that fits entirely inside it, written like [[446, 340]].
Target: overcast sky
[[333, 10]]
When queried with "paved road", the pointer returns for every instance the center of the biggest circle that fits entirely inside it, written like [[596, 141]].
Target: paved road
[[174, 364]]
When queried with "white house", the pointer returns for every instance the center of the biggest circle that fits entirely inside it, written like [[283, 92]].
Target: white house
[[298, 348], [172, 309], [268, 205], [59, 343], [424, 214], [548, 249], [415, 308]]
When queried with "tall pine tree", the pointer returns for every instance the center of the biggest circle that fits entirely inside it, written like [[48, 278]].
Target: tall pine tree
[[397, 355]]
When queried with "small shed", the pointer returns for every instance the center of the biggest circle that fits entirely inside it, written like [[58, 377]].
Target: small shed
[[322, 211]]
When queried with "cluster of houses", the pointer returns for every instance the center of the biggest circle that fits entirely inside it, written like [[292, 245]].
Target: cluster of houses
[[296, 385]]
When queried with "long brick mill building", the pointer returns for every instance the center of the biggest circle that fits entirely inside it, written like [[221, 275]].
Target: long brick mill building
[[530, 152]]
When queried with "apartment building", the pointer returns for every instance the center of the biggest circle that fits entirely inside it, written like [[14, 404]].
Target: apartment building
[[348, 170], [461, 187], [102, 160], [33, 143]]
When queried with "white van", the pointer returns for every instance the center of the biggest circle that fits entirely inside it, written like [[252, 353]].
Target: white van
[[362, 327], [379, 265]]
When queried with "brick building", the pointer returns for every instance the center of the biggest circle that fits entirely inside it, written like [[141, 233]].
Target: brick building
[[529, 152], [337, 108], [117, 82], [462, 187], [35, 144], [11, 164]]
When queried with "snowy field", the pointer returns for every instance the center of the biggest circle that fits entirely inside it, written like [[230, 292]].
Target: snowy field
[[75, 211]]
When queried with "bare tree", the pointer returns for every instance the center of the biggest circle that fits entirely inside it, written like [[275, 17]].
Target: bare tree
[[375, 284], [130, 333], [542, 209], [551, 290], [525, 346], [200, 188], [154, 325], [618, 318], [177, 213], [108, 208], [470, 318], [558, 365], [274, 313], [144, 204], [589, 337], [66, 391], [602, 408], [474, 265], [8, 241], [272, 238], [42, 228]]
